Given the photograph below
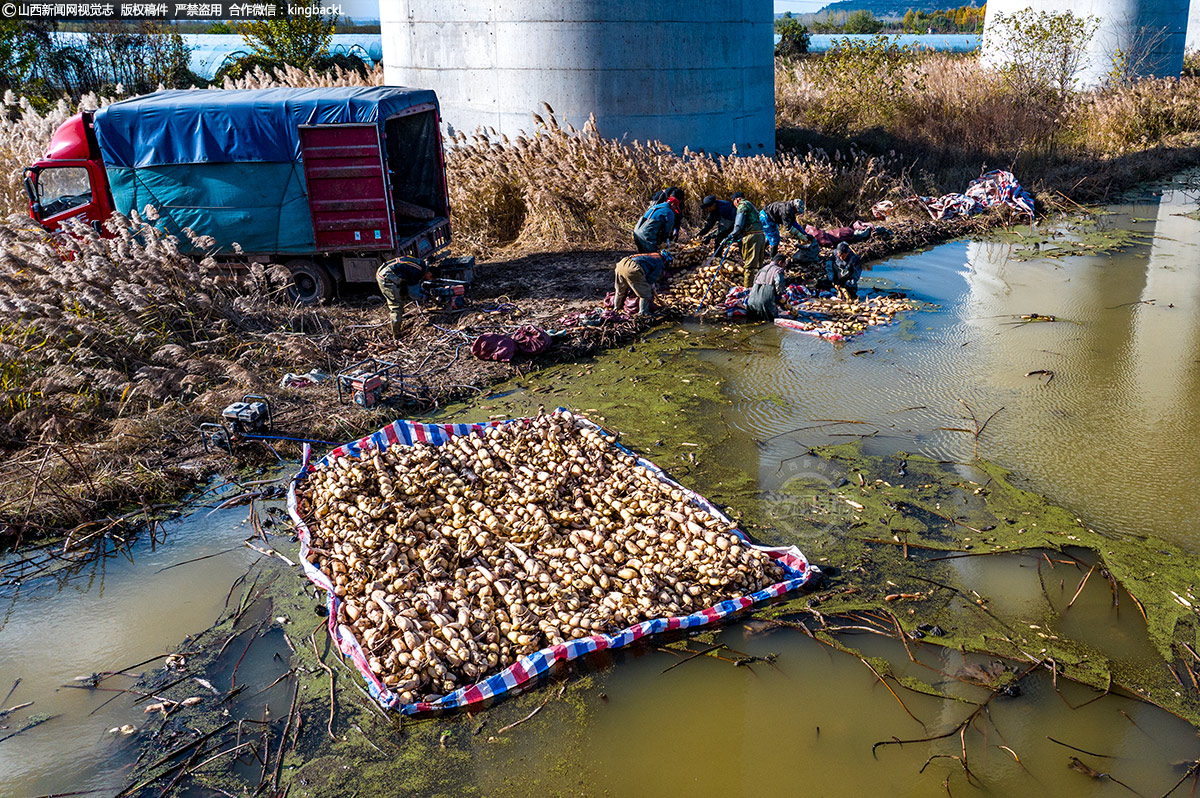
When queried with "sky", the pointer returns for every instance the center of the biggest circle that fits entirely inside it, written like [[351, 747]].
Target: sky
[[369, 9]]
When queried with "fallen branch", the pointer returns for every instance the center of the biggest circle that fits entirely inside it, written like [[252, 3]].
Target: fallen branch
[[332, 677], [536, 710]]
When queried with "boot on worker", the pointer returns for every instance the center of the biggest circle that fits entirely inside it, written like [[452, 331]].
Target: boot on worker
[[639, 273], [747, 229], [396, 278]]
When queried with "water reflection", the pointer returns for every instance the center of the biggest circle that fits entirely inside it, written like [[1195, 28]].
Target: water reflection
[[1113, 434]]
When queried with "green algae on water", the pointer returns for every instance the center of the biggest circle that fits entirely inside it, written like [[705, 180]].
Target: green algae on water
[[915, 538]]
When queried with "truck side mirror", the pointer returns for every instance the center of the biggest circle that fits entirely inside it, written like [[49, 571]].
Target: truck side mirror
[[31, 191]]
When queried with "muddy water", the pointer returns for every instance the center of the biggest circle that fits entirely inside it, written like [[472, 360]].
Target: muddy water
[[1112, 437]]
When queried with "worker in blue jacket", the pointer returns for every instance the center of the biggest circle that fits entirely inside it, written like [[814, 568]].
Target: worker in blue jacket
[[639, 273], [779, 217], [654, 229]]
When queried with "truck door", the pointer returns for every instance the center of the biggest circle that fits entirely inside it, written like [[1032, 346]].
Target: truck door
[[347, 191], [74, 189]]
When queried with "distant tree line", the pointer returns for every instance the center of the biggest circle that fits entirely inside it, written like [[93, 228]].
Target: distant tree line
[[112, 58], [964, 19]]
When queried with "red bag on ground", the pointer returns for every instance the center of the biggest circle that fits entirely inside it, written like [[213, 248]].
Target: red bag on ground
[[531, 340], [632, 303], [491, 346]]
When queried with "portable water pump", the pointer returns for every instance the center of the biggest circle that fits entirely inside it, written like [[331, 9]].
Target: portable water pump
[[364, 383], [251, 417]]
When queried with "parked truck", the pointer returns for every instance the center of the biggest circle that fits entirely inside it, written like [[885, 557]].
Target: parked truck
[[329, 182]]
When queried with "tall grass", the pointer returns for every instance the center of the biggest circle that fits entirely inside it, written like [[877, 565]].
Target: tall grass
[[93, 328], [951, 115], [564, 187]]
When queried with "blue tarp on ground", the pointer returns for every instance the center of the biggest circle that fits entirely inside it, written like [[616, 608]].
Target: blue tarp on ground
[[189, 126]]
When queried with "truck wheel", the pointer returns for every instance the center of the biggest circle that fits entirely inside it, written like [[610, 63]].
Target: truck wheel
[[311, 284]]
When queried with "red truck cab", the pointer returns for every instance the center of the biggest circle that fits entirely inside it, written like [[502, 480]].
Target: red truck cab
[[69, 182]]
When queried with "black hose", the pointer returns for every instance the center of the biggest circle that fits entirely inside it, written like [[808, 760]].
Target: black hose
[[285, 438]]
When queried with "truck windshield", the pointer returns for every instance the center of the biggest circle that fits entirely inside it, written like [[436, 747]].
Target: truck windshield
[[62, 188]]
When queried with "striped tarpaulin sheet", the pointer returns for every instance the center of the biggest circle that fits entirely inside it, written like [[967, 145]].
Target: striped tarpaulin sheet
[[526, 668], [801, 327]]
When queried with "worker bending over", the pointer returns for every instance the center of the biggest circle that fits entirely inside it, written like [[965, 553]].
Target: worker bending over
[[639, 273], [747, 228], [654, 229], [395, 277], [844, 270], [780, 217], [768, 288], [719, 222], [674, 197]]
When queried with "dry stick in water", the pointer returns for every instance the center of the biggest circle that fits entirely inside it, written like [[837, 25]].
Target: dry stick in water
[[694, 655], [1080, 750], [1075, 764], [964, 723], [536, 710], [1190, 771], [894, 695], [1081, 586], [283, 738], [332, 677], [253, 637], [31, 724]]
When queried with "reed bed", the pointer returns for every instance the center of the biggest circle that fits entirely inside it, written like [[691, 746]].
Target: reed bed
[[561, 187]]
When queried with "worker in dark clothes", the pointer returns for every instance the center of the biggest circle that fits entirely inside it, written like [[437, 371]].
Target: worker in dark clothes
[[719, 222], [654, 229], [747, 229], [395, 277], [844, 270], [763, 302], [780, 217], [639, 273]]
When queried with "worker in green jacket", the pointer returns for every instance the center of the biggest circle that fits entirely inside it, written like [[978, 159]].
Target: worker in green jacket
[[747, 228], [395, 277]]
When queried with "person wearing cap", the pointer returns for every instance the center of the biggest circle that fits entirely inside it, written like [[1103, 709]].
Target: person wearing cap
[[675, 197], [654, 230], [719, 222], [395, 279], [781, 216], [844, 270], [747, 229], [639, 273], [763, 302]]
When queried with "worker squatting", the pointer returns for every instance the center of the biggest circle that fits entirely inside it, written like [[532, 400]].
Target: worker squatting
[[728, 225]]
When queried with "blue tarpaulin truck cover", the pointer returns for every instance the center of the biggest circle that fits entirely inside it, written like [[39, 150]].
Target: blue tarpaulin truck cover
[[227, 163]]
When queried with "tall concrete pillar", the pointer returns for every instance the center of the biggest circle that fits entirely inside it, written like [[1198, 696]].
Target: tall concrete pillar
[[694, 73], [1193, 29], [1149, 33]]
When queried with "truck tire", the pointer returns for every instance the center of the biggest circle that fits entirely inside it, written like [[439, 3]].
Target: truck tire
[[312, 284]]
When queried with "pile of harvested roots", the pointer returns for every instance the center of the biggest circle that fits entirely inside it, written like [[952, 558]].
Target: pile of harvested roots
[[454, 560], [848, 317], [686, 290]]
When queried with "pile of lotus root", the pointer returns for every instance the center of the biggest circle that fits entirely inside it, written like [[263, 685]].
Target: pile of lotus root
[[849, 317], [454, 560]]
